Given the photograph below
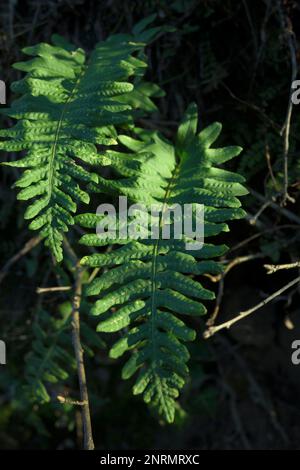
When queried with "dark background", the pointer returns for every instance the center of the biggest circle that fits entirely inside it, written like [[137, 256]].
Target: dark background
[[232, 58]]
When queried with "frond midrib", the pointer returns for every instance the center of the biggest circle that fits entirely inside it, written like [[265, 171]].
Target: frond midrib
[[155, 255], [57, 132]]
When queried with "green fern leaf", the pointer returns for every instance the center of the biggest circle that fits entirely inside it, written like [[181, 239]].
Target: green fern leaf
[[147, 281], [69, 105], [51, 359]]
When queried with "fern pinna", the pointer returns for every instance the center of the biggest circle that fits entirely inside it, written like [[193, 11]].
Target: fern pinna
[[147, 281], [50, 360], [69, 106]]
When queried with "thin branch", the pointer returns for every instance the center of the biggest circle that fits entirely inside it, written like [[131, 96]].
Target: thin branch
[[269, 164], [272, 268], [211, 321], [214, 329], [70, 401], [252, 106], [288, 214], [253, 220], [234, 262], [84, 398], [26, 248], [242, 259], [46, 290], [93, 275], [220, 278], [277, 128], [285, 131]]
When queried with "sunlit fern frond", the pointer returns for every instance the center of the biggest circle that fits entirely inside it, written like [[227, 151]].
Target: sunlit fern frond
[[70, 104], [148, 286]]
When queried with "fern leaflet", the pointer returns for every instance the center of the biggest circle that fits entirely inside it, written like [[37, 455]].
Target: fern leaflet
[[51, 359]]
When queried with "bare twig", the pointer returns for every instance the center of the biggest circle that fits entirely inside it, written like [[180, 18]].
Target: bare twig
[[86, 416], [276, 127], [235, 262], [220, 278], [93, 275], [46, 290], [70, 401], [214, 329], [288, 214], [285, 131], [253, 220], [255, 108], [272, 268], [211, 321], [26, 248], [242, 259], [268, 159]]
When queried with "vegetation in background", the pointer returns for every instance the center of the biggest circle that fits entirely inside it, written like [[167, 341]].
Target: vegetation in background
[[236, 61]]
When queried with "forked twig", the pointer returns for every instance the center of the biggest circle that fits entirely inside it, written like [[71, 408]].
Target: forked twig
[[214, 329], [220, 278], [288, 214], [272, 268]]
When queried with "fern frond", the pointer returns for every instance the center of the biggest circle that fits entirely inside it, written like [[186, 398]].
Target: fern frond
[[51, 359], [48, 361], [147, 281], [69, 105]]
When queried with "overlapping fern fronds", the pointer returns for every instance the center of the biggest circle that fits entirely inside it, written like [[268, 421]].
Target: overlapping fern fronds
[[148, 280], [69, 105]]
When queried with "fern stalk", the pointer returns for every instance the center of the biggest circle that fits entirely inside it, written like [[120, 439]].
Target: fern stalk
[[84, 397]]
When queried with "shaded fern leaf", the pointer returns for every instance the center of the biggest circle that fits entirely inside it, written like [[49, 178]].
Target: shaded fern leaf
[[51, 360], [148, 281], [69, 105]]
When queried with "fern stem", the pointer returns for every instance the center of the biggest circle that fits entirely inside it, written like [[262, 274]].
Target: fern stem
[[155, 255], [57, 132], [84, 397]]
